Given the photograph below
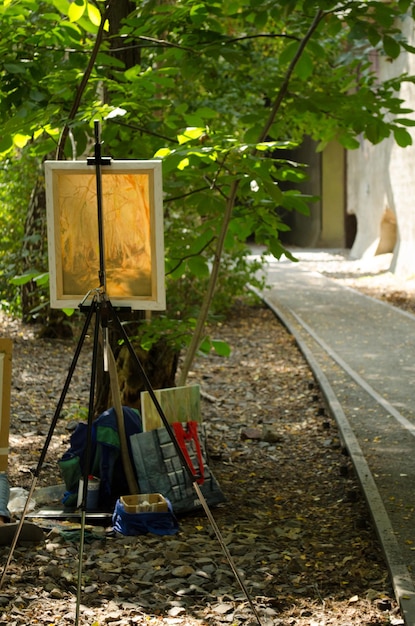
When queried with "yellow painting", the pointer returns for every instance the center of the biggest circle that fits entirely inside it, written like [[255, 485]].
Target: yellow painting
[[132, 229]]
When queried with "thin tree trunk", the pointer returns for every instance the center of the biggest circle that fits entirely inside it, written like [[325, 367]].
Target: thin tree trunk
[[33, 249], [203, 313], [207, 300]]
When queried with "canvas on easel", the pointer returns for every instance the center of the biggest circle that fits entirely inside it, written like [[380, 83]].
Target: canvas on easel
[[132, 223], [5, 390]]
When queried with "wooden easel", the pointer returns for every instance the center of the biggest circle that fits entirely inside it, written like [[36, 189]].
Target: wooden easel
[[6, 346]]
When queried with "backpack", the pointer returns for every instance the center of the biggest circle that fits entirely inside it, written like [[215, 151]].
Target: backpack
[[106, 462], [160, 470]]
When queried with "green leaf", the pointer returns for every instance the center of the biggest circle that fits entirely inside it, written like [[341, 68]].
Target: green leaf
[[162, 153], [293, 200], [62, 6], [174, 268], [94, 14], [198, 14], [199, 117], [304, 67], [405, 121], [402, 137], [6, 144], [133, 73], [76, 10], [205, 346], [222, 348], [404, 5], [288, 52], [348, 142], [198, 266], [15, 68], [206, 112], [376, 131], [277, 249], [25, 278], [191, 133], [261, 19], [243, 227], [183, 163], [391, 47], [42, 279], [273, 190], [265, 146]]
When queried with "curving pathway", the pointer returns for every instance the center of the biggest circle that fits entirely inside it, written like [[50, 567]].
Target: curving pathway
[[362, 352]]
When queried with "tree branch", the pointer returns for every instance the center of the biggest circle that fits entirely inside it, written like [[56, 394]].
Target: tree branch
[[166, 44], [186, 195], [144, 131], [203, 313], [284, 87], [260, 36], [190, 256], [207, 300], [83, 84]]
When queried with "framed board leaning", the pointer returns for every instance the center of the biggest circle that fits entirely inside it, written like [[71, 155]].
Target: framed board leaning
[[179, 404], [132, 226]]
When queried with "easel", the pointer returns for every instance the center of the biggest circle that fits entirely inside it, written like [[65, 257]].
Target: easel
[[5, 384], [104, 313]]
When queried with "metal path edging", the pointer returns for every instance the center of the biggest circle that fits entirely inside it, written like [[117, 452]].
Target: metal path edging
[[403, 585]]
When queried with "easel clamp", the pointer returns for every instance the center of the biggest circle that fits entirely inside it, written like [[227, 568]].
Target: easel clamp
[[103, 160]]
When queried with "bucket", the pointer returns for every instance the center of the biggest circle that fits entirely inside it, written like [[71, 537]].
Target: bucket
[[92, 494]]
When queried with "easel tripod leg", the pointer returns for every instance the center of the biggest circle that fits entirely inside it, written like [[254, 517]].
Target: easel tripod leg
[[186, 467], [87, 461], [47, 441]]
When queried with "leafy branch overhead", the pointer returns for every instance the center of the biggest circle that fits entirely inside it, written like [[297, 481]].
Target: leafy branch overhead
[[222, 93]]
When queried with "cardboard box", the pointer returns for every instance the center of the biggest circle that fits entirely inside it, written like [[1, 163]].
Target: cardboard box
[[144, 503]]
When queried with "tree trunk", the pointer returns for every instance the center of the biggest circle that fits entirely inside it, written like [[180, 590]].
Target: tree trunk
[[129, 55], [159, 363], [33, 250]]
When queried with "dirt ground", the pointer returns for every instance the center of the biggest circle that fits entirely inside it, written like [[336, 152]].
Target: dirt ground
[[295, 521]]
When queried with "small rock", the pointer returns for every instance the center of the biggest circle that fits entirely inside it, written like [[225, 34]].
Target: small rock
[[176, 610], [251, 433], [56, 594], [183, 571], [271, 435], [222, 608]]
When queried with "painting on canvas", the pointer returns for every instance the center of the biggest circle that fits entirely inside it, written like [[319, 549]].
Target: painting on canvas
[[132, 226]]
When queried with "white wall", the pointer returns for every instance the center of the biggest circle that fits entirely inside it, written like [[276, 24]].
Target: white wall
[[382, 177]]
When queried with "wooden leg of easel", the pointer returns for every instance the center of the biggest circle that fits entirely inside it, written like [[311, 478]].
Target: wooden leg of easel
[[6, 346], [5, 387]]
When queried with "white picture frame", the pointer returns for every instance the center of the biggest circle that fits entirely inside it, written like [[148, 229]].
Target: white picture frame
[[132, 227]]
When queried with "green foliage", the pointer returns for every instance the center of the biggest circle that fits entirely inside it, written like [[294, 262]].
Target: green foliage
[[75, 413], [17, 178], [220, 91]]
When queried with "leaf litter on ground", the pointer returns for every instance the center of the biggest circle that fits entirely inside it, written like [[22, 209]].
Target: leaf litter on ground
[[295, 521]]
